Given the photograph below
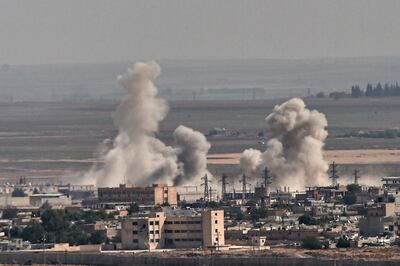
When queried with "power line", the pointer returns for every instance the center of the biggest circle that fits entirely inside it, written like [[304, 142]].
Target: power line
[[206, 195], [334, 176], [244, 186], [223, 184], [356, 176]]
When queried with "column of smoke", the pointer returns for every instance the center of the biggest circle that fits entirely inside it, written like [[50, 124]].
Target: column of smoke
[[192, 148], [136, 155], [294, 149]]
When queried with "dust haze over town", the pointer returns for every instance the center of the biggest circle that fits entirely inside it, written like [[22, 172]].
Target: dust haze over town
[[284, 96]]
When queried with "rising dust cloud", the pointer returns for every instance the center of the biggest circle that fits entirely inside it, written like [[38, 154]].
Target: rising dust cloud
[[294, 149], [136, 155]]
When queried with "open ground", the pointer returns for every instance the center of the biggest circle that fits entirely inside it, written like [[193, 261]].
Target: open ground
[[59, 139]]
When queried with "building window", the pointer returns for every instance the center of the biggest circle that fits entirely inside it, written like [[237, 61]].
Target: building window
[[157, 240], [151, 222], [134, 223], [134, 232], [157, 223], [216, 239], [216, 214], [216, 221], [135, 241], [151, 232], [157, 231], [216, 230]]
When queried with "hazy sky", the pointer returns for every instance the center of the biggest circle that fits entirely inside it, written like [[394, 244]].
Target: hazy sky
[[51, 31]]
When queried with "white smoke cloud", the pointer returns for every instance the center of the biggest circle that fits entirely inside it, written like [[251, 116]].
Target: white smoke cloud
[[136, 155], [294, 149], [192, 148], [250, 161]]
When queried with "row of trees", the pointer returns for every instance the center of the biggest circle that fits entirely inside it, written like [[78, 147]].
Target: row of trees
[[57, 227], [378, 90]]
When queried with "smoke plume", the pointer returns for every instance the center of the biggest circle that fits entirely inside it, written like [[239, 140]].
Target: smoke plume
[[136, 155], [191, 148], [294, 149]]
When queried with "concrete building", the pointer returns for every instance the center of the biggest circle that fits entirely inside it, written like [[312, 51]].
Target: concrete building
[[391, 182], [190, 194], [9, 201], [174, 229], [54, 199], [379, 220], [157, 194]]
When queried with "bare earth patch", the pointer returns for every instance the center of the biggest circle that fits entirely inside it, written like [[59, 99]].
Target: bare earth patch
[[369, 156]]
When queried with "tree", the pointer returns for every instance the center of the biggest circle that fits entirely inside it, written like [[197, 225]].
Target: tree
[[343, 243], [311, 243], [240, 216], [76, 236], [378, 90], [133, 208], [356, 91], [350, 198], [9, 213], [98, 237], [258, 213], [369, 90], [307, 220], [18, 192], [35, 191], [33, 233], [54, 221], [354, 188], [212, 204]]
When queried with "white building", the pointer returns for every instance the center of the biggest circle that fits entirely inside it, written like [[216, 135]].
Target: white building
[[174, 229]]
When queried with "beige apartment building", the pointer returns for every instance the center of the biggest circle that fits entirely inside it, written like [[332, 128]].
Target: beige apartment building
[[174, 229], [158, 194]]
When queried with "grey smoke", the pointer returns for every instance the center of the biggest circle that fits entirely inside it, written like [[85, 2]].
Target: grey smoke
[[294, 149], [191, 148], [136, 155]]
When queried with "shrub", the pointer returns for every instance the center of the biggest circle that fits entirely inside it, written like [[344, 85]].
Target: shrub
[[311, 243], [343, 243], [307, 220]]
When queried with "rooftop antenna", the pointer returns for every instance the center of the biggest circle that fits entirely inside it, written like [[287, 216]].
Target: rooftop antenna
[[206, 195], [356, 175], [334, 176]]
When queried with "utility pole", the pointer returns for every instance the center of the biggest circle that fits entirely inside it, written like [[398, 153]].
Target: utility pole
[[267, 178], [267, 188], [244, 186], [223, 185], [206, 195], [334, 176], [356, 176]]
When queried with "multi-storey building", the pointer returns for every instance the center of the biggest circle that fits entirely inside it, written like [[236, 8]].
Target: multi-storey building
[[174, 229], [125, 194]]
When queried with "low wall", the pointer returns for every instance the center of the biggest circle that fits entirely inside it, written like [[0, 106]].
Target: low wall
[[121, 259]]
